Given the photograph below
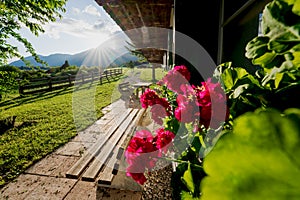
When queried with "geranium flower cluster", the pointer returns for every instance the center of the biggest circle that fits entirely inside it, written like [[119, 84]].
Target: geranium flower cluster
[[143, 150], [160, 107], [203, 106]]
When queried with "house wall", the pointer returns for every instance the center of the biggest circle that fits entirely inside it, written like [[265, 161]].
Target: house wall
[[198, 20], [221, 27]]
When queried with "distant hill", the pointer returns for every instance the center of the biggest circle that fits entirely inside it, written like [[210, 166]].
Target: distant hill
[[92, 57]]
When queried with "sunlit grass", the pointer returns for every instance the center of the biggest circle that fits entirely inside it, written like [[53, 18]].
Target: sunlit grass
[[46, 121], [146, 74]]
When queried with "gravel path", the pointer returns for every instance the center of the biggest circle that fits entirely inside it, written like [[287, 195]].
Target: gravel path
[[158, 184]]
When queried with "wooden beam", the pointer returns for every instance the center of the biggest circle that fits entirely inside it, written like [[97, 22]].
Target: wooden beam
[[221, 33], [140, 14], [128, 17]]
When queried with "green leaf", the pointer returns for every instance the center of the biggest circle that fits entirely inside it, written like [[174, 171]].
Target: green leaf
[[296, 7], [257, 47], [239, 90], [258, 159], [230, 77], [264, 59], [282, 46], [296, 61], [278, 78], [187, 179], [187, 196], [220, 69]]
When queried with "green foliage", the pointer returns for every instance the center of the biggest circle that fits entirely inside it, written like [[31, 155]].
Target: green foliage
[[244, 90], [8, 82], [15, 14], [65, 65], [187, 178], [278, 49], [70, 70], [258, 159], [277, 53], [9, 68]]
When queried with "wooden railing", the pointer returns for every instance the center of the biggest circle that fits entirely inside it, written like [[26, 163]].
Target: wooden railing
[[53, 83]]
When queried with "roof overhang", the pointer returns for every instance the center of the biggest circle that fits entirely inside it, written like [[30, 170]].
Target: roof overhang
[[146, 23]]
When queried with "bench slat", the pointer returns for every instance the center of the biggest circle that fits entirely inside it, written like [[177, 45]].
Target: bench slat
[[93, 170], [76, 170], [106, 176]]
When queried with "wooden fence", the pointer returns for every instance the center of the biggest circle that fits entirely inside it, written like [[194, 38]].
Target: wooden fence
[[53, 83]]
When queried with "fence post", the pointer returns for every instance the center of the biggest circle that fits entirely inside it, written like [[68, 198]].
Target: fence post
[[69, 77], [21, 90], [20, 87], [82, 78], [50, 83], [106, 75]]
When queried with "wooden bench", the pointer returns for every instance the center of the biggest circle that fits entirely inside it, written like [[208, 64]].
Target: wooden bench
[[100, 162], [125, 89], [128, 95]]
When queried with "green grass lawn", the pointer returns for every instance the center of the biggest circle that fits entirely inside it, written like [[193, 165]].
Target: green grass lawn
[[45, 122], [146, 74]]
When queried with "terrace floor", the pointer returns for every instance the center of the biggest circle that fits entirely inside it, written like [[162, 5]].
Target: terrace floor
[[47, 178]]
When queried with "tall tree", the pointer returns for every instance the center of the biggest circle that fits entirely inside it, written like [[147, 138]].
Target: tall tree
[[32, 14]]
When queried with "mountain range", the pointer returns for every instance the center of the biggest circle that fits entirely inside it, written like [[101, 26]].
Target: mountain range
[[92, 57]]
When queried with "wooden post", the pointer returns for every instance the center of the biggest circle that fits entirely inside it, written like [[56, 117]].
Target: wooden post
[[50, 83], [82, 78], [101, 76], [69, 77], [153, 73], [106, 74], [21, 90]]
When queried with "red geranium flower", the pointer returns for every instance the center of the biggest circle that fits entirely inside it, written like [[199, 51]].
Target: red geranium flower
[[212, 100], [149, 98], [187, 109], [136, 171], [183, 70], [141, 154], [160, 110], [176, 77], [164, 139]]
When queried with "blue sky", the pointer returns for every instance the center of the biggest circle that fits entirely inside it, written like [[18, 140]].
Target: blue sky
[[84, 25]]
